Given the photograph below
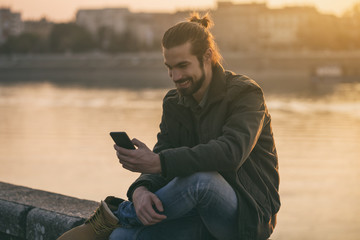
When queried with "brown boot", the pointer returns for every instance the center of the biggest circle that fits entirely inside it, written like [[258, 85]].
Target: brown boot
[[99, 226]]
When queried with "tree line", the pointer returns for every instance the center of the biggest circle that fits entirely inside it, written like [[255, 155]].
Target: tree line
[[70, 37], [332, 33]]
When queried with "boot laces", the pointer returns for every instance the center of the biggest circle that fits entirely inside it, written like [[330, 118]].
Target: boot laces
[[99, 223]]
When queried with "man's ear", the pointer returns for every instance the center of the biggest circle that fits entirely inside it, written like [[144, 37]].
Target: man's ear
[[208, 55]]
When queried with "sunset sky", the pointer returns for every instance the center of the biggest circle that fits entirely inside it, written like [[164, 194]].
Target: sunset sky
[[64, 10]]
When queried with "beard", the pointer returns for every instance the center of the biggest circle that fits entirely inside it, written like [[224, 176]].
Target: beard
[[194, 85]]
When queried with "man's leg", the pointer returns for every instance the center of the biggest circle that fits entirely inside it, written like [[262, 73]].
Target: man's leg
[[206, 194]]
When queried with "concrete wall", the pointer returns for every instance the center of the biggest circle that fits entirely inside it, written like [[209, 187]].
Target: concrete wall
[[32, 214]]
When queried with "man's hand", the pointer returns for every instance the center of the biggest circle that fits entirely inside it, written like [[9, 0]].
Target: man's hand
[[141, 160], [144, 203]]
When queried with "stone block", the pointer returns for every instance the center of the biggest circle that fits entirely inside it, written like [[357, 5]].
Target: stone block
[[43, 224], [27, 213], [48, 201], [4, 236], [13, 218]]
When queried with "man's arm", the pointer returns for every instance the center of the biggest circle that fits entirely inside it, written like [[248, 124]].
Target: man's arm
[[141, 191], [147, 204], [153, 182]]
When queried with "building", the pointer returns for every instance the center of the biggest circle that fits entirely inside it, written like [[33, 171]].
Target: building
[[94, 19], [10, 24], [150, 27], [255, 26], [279, 28], [41, 28], [146, 28], [237, 25]]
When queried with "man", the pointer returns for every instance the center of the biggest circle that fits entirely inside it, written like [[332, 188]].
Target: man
[[213, 173]]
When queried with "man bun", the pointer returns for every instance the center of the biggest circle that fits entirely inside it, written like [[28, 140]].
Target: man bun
[[196, 31], [204, 21]]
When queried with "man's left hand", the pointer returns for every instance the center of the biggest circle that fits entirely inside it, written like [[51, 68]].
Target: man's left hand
[[141, 160]]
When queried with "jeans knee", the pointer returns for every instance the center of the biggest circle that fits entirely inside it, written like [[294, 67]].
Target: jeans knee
[[115, 235], [204, 177], [202, 183], [122, 234], [205, 187]]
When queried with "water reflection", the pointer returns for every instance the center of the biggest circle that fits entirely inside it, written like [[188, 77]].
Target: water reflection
[[57, 139]]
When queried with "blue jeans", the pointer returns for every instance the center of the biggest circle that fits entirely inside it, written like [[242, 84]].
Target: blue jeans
[[199, 206]]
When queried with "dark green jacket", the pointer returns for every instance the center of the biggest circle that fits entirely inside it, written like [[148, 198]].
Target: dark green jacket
[[232, 135]]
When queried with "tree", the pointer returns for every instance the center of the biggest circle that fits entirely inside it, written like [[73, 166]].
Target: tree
[[66, 37], [24, 43], [354, 13], [110, 41], [352, 17], [324, 32]]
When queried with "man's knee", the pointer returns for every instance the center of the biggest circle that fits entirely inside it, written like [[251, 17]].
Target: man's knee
[[203, 182], [203, 177], [123, 234], [116, 234]]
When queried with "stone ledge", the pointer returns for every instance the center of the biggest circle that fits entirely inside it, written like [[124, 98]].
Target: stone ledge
[[43, 224], [27, 213], [12, 218]]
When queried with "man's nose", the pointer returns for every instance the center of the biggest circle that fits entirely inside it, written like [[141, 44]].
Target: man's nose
[[175, 75]]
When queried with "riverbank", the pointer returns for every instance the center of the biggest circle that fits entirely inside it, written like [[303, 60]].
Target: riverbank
[[275, 71]]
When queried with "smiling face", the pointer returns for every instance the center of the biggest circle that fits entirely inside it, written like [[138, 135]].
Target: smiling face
[[190, 77]]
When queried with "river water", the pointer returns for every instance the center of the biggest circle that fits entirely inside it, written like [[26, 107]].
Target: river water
[[57, 139]]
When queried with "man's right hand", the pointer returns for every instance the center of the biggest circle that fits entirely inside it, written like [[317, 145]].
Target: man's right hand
[[144, 203]]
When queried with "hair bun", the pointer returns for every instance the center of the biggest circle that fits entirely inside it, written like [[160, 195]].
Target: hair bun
[[204, 21]]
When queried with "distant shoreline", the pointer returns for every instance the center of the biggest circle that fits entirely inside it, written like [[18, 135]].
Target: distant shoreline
[[274, 71]]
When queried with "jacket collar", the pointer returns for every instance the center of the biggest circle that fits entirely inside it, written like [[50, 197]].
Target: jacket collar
[[217, 86]]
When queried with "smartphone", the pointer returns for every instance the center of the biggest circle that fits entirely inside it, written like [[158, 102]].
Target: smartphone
[[122, 140]]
